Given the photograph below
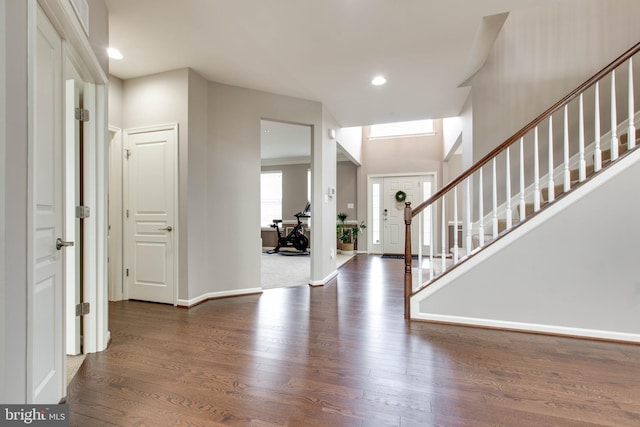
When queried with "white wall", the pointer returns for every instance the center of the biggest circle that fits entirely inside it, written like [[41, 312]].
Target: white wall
[[347, 189], [99, 32], [233, 183], [219, 151], [116, 102], [540, 56], [572, 269], [13, 389], [160, 99], [194, 248], [324, 161], [350, 139], [451, 134]]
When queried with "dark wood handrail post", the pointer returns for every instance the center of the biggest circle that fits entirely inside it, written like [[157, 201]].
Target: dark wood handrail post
[[408, 281]]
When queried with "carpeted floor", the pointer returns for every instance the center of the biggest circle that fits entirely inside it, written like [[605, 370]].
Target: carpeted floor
[[279, 271]]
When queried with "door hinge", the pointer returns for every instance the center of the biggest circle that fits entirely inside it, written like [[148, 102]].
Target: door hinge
[[127, 153], [127, 213], [82, 212], [82, 115], [82, 309], [127, 272]]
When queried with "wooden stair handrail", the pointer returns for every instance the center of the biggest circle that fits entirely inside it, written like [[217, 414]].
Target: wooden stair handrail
[[500, 148]]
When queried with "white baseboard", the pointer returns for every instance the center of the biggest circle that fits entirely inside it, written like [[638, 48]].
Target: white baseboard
[[529, 327], [325, 280], [215, 295]]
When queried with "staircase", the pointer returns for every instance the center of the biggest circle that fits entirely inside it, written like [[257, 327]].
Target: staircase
[[561, 160]]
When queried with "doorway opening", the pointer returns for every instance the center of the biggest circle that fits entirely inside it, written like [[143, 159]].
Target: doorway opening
[[286, 179]]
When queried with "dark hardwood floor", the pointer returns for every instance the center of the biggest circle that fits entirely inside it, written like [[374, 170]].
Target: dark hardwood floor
[[342, 355]]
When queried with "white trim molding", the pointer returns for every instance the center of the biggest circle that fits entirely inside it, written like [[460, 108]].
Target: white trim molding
[[217, 295], [529, 327], [324, 281]]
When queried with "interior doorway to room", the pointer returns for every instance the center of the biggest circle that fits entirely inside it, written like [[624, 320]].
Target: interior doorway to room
[[386, 212], [285, 190]]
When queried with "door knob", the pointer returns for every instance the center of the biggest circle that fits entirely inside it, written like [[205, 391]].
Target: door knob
[[167, 228], [62, 244]]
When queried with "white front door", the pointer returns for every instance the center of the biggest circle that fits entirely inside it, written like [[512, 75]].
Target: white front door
[[152, 221], [387, 227], [393, 211], [45, 303]]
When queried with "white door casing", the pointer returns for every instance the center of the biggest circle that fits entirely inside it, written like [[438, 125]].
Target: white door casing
[[72, 269], [45, 366], [152, 234], [114, 230]]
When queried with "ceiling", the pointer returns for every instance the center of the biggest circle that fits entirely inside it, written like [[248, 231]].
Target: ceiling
[[326, 51]]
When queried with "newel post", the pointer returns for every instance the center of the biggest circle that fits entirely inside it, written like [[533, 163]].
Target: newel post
[[408, 282]]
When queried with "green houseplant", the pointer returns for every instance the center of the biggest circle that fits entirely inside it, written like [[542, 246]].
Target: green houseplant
[[348, 234], [356, 231], [344, 234]]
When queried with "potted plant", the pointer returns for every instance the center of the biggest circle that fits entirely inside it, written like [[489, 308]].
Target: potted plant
[[346, 245], [357, 230], [344, 235]]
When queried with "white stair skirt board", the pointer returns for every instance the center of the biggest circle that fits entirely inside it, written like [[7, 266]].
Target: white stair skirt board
[[213, 295], [531, 327], [594, 296]]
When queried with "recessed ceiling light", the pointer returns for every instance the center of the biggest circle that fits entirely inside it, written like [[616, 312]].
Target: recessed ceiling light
[[114, 53], [378, 81]]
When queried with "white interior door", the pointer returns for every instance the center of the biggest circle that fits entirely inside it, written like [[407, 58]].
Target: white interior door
[[45, 304], [152, 233]]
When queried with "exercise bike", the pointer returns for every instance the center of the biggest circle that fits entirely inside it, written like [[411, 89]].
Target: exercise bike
[[295, 238]]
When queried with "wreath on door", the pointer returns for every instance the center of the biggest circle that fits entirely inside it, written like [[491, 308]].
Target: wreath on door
[[401, 196]]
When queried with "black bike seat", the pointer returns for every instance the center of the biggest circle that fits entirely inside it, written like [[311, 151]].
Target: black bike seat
[[277, 221]]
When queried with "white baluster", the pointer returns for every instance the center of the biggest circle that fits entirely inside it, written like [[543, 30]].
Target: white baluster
[[614, 118], [631, 137], [597, 153], [536, 172], [494, 191], [551, 189], [481, 209], [567, 172], [468, 216], [509, 212], [444, 236], [455, 225], [582, 170], [431, 240], [523, 205], [420, 220]]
